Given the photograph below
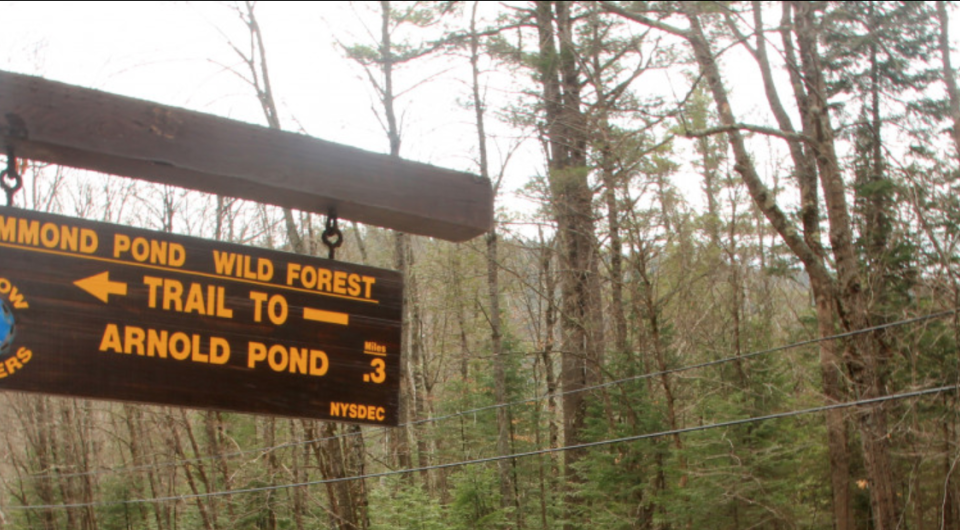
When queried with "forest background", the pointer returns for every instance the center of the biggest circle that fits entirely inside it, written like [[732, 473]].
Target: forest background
[[721, 291]]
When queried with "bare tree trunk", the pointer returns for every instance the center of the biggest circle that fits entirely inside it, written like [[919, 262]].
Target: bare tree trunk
[[864, 356], [508, 498], [652, 314], [549, 326], [199, 465], [949, 74], [213, 423], [133, 418], [572, 204], [547, 283], [346, 513], [400, 437], [822, 288], [37, 422], [420, 392], [298, 469], [950, 509], [181, 455], [86, 455]]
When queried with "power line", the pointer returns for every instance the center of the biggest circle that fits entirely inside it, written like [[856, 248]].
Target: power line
[[496, 406], [537, 452]]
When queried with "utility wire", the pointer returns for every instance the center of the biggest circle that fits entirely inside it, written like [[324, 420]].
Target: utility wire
[[649, 375], [537, 452]]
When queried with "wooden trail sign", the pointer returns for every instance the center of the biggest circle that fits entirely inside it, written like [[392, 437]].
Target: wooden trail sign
[[90, 129], [105, 311]]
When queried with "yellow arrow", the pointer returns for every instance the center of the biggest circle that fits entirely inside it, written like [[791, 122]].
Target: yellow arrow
[[100, 286]]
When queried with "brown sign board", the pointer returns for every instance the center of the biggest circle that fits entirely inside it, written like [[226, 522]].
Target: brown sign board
[[90, 129], [104, 311]]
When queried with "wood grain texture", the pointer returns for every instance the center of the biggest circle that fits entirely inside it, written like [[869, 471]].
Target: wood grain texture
[[90, 129], [65, 326]]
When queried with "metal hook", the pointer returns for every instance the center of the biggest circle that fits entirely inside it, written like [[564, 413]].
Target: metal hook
[[332, 237], [10, 188]]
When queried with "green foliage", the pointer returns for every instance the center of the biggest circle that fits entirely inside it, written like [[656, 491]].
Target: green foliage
[[121, 516], [853, 31], [476, 499], [404, 504]]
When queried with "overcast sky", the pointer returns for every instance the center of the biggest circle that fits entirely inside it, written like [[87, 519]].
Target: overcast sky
[[178, 53]]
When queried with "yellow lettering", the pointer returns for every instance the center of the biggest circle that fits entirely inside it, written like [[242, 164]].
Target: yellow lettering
[[49, 235], [298, 360], [340, 282], [259, 298], [16, 298], [219, 350], [160, 343], [140, 249], [223, 262], [88, 241], [222, 310], [213, 302], [111, 339], [264, 269], [194, 303], [133, 338], [8, 228], [336, 282], [309, 277], [211, 296], [256, 352], [157, 343], [278, 358], [278, 309], [353, 282], [28, 232], [69, 238], [172, 291], [248, 272], [177, 255], [317, 355], [158, 252], [153, 284], [197, 356], [379, 374], [323, 280], [13, 364], [180, 346], [293, 272], [360, 412], [121, 244], [145, 250], [368, 282]]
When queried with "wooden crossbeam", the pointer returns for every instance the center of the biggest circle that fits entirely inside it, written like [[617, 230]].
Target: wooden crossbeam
[[90, 129]]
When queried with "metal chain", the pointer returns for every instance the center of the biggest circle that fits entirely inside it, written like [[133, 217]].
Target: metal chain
[[332, 237], [10, 179]]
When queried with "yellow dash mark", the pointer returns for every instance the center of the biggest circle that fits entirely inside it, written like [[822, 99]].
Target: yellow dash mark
[[330, 317], [377, 353]]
